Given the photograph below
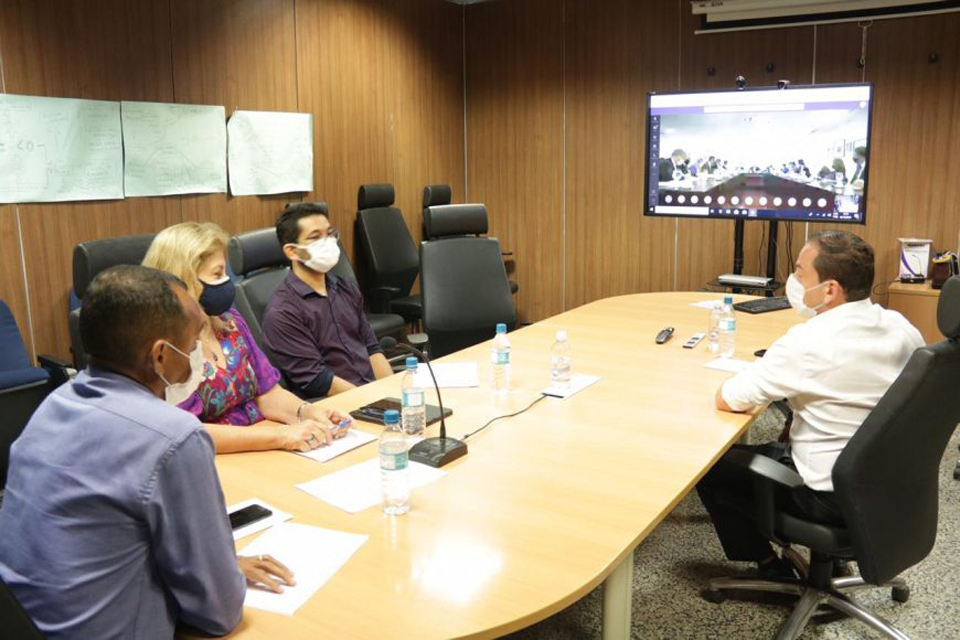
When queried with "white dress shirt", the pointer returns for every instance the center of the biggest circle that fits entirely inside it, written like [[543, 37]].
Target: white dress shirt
[[833, 369]]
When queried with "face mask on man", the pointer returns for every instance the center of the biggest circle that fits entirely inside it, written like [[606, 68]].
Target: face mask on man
[[795, 294], [217, 297], [324, 254], [178, 392]]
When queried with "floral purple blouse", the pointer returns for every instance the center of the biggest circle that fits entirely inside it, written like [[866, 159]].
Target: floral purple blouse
[[229, 395]]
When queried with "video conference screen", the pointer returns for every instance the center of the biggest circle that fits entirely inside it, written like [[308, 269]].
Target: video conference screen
[[796, 154]]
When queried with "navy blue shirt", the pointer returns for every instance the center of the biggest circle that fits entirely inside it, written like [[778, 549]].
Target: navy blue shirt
[[314, 337], [113, 522]]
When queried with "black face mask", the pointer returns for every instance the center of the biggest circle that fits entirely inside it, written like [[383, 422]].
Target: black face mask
[[217, 299]]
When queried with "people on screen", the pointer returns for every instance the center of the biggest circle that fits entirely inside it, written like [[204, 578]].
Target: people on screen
[[315, 324], [238, 387], [675, 167], [113, 523], [859, 176], [832, 370]]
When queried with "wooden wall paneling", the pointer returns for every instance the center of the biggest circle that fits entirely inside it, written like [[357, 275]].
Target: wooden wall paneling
[[613, 58], [12, 290], [916, 130], [344, 80], [107, 50], [515, 136], [425, 54], [713, 61], [240, 54]]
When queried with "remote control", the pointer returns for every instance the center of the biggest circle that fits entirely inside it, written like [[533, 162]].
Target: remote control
[[664, 335], [693, 341]]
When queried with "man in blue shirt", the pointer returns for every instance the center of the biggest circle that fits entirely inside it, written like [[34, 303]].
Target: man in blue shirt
[[113, 523]]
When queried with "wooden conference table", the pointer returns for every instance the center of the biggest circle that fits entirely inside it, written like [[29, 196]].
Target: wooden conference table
[[546, 505]]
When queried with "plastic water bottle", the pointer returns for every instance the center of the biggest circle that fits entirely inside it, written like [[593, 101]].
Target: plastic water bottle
[[413, 417], [728, 328], [560, 362], [500, 360], [713, 333], [394, 475]]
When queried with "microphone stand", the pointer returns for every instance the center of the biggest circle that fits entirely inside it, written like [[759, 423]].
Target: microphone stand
[[433, 452]]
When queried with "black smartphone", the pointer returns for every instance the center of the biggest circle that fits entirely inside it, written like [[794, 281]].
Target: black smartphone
[[248, 515]]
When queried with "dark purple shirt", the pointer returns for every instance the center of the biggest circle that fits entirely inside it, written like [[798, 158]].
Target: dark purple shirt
[[314, 337]]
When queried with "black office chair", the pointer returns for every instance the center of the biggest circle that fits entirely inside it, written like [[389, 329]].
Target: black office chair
[[463, 282], [89, 259], [16, 623], [392, 262], [23, 386], [452, 211], [885, 481]]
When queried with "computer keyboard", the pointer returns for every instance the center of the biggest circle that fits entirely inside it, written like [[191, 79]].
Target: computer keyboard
[[762, 305]]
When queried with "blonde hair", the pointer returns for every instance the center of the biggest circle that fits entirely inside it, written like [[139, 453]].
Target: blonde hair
[[182, 248]]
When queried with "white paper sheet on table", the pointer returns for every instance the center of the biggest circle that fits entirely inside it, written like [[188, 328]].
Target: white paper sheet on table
[[313, 554], [358, 487], [732, 365], [578, 382], [59, 149], [270, 152], [352, 440], [450, 375], [173, 148], [706, 304], [275, 518]]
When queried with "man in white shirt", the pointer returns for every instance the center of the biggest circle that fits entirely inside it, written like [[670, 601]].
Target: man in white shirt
[[832, 369]]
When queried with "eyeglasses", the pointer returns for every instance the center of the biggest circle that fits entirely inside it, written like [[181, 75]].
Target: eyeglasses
[[333, 232]]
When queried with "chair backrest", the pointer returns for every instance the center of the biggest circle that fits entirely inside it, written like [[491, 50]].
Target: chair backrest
[[256, 256], [391, 256], [16, 622], [440, 221], [886, 478], [434, 194], [89, 259], [463, 283], [11, 342]]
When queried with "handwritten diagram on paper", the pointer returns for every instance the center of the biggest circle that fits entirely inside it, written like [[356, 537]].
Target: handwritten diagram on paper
[[56, 149], [173, 148], [270, 152]]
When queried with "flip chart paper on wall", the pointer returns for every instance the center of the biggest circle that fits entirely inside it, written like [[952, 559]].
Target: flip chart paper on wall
[[56, 149], [173, 148], [270, 152]]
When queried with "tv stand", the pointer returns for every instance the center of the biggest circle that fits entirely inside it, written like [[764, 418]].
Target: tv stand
[[768, 290]]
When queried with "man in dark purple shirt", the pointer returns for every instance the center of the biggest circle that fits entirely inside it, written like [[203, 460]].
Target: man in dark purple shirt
[[314, 324]]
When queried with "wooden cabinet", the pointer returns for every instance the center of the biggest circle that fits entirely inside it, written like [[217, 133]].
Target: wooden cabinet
[[918, 304]]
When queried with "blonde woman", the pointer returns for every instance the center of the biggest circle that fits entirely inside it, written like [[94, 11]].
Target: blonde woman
[[237, 384]]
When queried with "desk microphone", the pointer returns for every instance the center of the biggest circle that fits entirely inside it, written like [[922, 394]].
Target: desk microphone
[[433, 452]]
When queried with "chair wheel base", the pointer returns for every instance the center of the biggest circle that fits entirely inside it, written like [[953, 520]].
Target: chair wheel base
[[713, 595], [900, 594]]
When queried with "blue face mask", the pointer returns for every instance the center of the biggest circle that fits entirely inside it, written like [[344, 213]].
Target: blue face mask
[[217, 297]]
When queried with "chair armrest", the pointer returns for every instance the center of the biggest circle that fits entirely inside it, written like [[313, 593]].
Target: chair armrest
[[765, 468], [380, 298], [56, 367], [767, 474]]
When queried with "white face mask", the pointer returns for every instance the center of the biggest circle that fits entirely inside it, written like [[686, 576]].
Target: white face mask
[[795, 293], [324, 254], [177, 393]]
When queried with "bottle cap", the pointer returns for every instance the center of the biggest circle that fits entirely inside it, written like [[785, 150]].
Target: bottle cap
[[561, 335], [501, 327], [727, 299], [391, 416], [411, 362]]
